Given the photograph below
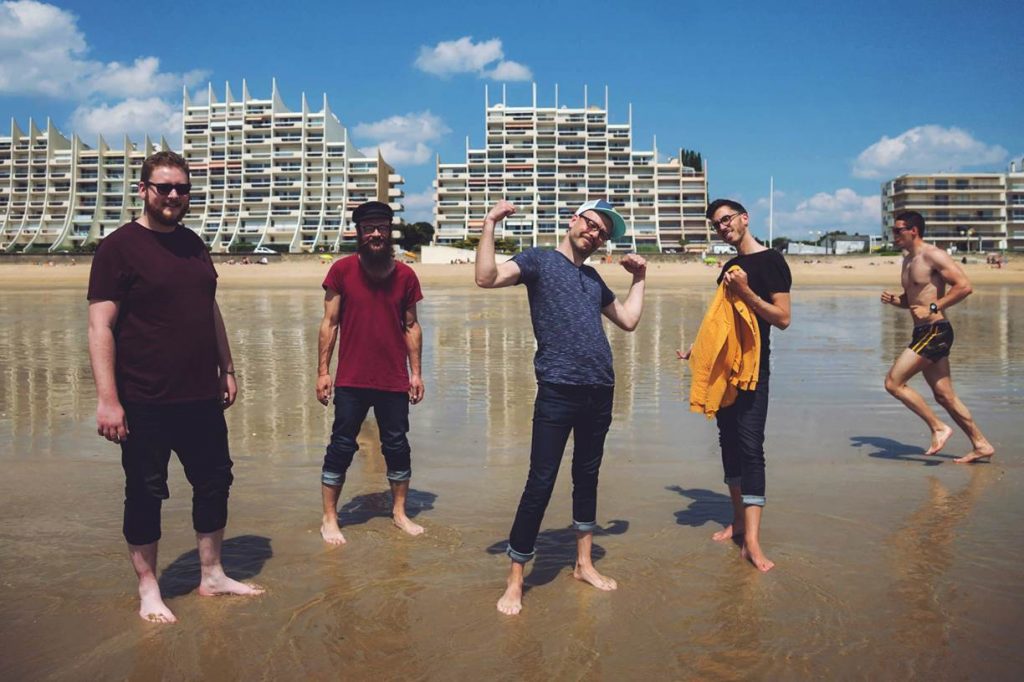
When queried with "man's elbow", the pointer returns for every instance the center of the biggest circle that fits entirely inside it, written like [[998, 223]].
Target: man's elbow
[[484, 281], [783, 323], [967, 289]]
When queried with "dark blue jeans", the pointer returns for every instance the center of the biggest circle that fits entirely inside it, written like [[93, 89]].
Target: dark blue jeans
[[391, 409], [196, 431], [586, 412], [741, 435]]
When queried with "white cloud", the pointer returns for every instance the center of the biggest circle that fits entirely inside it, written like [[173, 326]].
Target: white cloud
[[134, 117], [419, 207], [925, 149], [403, 139], [464, 56], [843, 210]]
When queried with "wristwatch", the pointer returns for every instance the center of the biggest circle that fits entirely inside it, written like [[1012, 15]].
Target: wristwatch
[[934, 307]]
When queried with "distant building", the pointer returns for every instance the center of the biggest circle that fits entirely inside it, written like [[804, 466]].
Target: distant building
[[266, 176], [549, 160], [59, 194], [969, 211], [841, 244]]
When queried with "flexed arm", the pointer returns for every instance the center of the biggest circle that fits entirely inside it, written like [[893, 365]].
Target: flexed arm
[[490, 275]]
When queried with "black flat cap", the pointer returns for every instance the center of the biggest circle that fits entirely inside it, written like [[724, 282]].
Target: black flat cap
[[370, 210]]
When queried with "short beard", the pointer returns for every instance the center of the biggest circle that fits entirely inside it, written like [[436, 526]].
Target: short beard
[[156, 216], [376, 259]]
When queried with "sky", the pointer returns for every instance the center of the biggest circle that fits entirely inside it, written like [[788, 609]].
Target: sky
[[830, 99]]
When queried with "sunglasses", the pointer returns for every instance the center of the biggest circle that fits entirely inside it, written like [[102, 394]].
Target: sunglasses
[[164, 188], [602, 232]]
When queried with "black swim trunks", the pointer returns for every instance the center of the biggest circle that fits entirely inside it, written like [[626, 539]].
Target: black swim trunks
[[932, 341]]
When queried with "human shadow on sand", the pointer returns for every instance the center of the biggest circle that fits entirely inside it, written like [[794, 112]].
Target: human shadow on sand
[[707, 507], [242, 557], [887, 448], [362, 508], [556, 549]]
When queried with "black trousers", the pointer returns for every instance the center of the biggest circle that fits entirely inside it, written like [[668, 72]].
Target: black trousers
[[197, 433], [741, 435]]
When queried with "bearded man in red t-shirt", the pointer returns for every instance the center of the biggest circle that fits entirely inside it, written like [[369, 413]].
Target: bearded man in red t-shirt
[[370, 303]]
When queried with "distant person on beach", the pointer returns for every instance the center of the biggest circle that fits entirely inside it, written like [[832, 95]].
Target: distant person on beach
[[574, 373], [932, 282], [370, 302], [164, 376], [763, 282]]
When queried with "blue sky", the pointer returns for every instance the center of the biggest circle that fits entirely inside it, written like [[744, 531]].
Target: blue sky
[[830, 99]]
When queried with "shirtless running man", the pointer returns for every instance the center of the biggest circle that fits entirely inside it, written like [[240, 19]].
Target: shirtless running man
[[932, 282]]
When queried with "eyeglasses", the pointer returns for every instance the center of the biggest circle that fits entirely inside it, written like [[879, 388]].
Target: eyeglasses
[[164, 188], [370, 229], [602, 232], [900, 230], [724, 220]]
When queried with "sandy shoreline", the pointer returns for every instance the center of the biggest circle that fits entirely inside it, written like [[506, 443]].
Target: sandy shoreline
[[302, 272]]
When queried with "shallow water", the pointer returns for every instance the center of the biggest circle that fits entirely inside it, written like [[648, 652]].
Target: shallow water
[[889, 563]]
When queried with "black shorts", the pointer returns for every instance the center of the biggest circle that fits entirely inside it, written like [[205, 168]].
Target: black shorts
[[932, 341]]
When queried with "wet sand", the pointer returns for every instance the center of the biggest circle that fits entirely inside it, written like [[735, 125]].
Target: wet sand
[[890, 564]]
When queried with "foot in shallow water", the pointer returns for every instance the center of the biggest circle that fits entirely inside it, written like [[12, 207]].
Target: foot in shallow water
[[939, 438]]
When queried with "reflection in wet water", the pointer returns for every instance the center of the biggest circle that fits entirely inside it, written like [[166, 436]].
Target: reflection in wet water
[[888, 560]]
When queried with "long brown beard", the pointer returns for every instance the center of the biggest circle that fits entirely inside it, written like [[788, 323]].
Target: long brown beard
[[376, 260]]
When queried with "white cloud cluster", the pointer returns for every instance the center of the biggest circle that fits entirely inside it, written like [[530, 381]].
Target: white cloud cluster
[[403, 139], [486, 59], [843, 209], [925, 149], [419, 206], [43, 53]]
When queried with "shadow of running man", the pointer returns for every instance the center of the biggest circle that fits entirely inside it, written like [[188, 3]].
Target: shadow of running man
[[887, 448], [362, 508], [556, 549], [242, 557]]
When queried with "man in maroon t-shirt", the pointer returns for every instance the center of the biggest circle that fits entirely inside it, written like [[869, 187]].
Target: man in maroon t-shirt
[[164, 376], [370, 301]]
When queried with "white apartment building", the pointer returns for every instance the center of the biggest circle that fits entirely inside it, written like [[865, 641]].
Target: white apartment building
[[60, 194], [549, 160], [971, 211], [266, 176]]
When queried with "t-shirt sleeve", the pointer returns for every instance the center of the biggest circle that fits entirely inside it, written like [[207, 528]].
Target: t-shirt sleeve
[[332, 278], [529, 265], [109, 277], [413, 292], [607, 295], [777, 276]]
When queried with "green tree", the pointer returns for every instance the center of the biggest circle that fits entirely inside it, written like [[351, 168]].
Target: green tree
[[691, 158], [415, 235], [780, 243]]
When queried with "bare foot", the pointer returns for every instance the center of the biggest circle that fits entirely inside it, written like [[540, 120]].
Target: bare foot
[[979, 452], [152, 607], [729, 532], [939, 439], [406, 524], [590, 575], [752, 553], [331, 533], [511, 603], [220, 585]]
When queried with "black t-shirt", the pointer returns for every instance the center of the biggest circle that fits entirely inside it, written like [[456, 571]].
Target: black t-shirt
[[767, 273], [165, 339]]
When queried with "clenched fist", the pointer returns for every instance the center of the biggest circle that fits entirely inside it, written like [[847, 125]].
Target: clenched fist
[[500, 211]]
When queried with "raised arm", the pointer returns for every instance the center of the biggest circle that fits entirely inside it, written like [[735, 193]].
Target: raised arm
[[325, 345], [626, 314], [228, 385], [489, 274], [110, 421], [414, 345]]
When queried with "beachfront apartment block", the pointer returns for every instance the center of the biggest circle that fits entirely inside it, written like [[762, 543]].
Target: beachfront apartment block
[[549, 160], [969, 211], [264, 176], [58, 193]]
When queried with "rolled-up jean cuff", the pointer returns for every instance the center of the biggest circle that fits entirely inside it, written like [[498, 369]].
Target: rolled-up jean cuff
[[733, 480], [753, 500], [399, 475], [584, 526], [518, 557], [332, 478]]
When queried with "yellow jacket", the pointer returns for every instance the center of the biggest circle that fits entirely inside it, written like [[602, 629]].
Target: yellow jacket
[[726, 354]]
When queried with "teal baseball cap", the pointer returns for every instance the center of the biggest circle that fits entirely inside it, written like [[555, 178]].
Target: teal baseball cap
[[602, 206]]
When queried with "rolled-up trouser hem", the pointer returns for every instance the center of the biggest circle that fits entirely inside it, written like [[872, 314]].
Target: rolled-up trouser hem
[[332, 478], [584, 526], [399, 475], [518, 557], [753, 500]]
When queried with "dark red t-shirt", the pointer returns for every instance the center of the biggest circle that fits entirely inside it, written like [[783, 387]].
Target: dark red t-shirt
[[165, 339], [371, 340]]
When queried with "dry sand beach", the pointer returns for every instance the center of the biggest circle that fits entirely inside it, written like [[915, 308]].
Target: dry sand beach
[[890, 564]]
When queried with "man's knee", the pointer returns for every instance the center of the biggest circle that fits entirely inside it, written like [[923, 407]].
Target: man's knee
[[893, 386], [944, 397]]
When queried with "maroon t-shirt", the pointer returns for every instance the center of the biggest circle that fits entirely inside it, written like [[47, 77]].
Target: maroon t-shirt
[[371, 340], [165, 339]]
